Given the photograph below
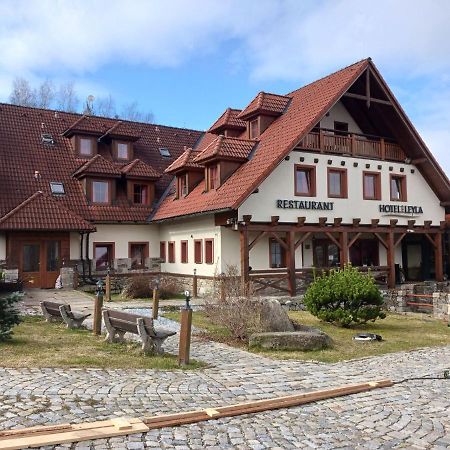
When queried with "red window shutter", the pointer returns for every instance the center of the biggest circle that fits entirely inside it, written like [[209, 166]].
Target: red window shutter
[[171, 252], [198, 251], [209, 251], [184, 251], [162, 251]]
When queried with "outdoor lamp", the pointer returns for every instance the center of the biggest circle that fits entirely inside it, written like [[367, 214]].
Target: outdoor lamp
[[187, 296], [157, 281], [99, 285]]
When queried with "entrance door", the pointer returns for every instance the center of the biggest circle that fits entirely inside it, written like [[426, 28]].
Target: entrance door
[[40, 263], [325, 253]]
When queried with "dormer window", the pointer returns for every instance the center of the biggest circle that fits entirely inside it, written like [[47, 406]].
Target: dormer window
[[122, 150], [182, 185], [140, 194], [100, 191], [212, 178], [254, 129], [86, 146]]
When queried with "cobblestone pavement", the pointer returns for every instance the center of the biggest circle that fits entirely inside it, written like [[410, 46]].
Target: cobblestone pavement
[[414, 414]]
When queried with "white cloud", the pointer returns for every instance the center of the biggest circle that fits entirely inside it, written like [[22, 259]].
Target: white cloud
[[274, 40]]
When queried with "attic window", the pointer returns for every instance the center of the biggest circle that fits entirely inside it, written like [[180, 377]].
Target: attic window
[[164, 152], [57, 188], [47, 139]]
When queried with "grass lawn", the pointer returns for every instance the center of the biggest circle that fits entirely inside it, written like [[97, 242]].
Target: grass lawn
[[399, 332], [37, 343]]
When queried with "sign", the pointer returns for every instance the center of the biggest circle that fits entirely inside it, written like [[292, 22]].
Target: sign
[[305, 204], [400, 210]]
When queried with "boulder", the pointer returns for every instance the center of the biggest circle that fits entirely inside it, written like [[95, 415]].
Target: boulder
[[274, 316], [297, 340]]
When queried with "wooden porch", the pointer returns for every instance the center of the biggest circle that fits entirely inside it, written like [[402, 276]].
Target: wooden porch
[[292, 236], [357, 145]]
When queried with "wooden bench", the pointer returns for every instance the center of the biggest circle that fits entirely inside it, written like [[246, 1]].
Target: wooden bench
[[118, 323], [53, 311]]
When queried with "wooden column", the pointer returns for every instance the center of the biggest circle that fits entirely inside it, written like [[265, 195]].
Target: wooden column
[[344, 248], [290, 260], [185, 336], [245, 256], [391, 258], [438, 257]]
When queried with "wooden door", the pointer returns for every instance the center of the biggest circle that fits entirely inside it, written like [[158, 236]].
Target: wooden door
[[325, 253], [52, 254], [30, 263]]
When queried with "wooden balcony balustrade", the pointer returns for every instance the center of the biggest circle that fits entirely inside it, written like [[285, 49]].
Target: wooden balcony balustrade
[[352, 144]]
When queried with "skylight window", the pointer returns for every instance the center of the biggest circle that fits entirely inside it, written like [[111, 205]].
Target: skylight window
[[47, 139], [57, 188], [164, 152]]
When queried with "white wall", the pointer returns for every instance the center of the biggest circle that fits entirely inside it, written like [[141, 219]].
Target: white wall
[[280, 185], [121, 235], [2, 246], [340, 114], [191, 229]]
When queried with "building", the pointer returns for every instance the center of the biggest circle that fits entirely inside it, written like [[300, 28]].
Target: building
[[331, 173]]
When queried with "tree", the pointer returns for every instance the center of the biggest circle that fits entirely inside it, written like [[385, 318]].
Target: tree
[[9, 316], [66, 97], [130, 111], [105, 106], [22, 94], [45, 94]]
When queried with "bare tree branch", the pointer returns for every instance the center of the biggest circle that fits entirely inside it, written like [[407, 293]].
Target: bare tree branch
[[66, 98], [21, 93]]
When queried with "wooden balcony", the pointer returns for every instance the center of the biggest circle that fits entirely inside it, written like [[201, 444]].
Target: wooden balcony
[[325, 141]]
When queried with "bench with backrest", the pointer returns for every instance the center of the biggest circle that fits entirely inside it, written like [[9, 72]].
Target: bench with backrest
[[117, 323], [53, 311]]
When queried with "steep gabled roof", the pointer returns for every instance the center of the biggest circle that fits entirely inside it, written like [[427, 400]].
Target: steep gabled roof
[[226, 148], [185, 162], [228, 120], [98, 165], [265, 103], [121, 130], [41, 212], [138, 168]]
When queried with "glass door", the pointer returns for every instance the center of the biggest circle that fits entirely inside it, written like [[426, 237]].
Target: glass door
[[53, 263], [31, 264]]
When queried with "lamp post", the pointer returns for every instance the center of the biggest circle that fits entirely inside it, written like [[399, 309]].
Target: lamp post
[[155, 308], [98, 304], [108, 285], [194, 284], [185, 331]]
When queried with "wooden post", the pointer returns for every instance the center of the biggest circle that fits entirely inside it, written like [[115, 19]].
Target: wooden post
[[98, 305], [185, 336], [290, 257], [382, 149], [245, 256], [353, 144], [108, 287], [155, 307], [344, 248], [194, 284], [321, 141], [438, 257], [391, 259]]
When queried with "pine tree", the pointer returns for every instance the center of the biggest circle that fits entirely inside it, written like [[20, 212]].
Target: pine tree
[[9, 315]]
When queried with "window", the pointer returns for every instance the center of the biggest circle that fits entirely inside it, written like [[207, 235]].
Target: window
[[171, 252], [122, 150], [398, 188], [277, 254], [305, 181], [86, 146], [325, 253], [138, 251], [212, 177], [184, 252], [337, 183], [364, 252], [103, 255], [140, 194], [57, 188], [162, 251], [371, 186], [209, 251], [341, 128], [254, 129], [182, 186], [164, 152], [100, 191], [198, 256]]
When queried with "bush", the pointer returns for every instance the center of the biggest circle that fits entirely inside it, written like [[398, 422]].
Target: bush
[[9, 316], [142, 287], [344, 297]]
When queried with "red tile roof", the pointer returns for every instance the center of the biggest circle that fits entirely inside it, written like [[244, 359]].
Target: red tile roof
[[226, 148], [138, 168], [265, 103], [185, 161], [306, 107], [41, 212], [22, 153], [98, 165], [228, 120]]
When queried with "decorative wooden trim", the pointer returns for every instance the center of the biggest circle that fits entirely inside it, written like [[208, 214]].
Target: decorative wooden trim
[[375, 222], [322, 221], [354, 239], [274, 220], [363, 97], [312, 176], [356, 222], [301, 221], [377, 188], [247, 218], [397, 242], [337, 221], [344, 182]]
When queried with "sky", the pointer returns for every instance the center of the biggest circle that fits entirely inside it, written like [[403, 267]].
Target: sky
[[188, 60]]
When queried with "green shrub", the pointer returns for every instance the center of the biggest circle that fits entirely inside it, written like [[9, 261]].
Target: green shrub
[[344, 297], [9, 316]]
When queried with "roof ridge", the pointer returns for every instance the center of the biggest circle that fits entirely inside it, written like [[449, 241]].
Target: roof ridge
[[21, 206]]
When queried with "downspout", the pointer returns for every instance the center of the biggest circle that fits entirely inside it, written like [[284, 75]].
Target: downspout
[[91, 280], [83, 276]]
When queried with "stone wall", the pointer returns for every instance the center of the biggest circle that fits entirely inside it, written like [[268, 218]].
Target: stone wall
[[441, 302]]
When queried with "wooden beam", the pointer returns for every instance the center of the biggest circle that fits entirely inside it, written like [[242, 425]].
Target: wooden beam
[[393, 222], [418, 161], [368, 88], [274, 220], [343, 240], [411, 224], [356, 222], [375, 222], [391, 259], [278, 239], [427, 223], [247, 218], [322, 221], [337, 221], [301, 221], [363, 97], [380, 238], [399, 240], [290, 259], [432, 241], [257, 238], [302, 239], [245, 257], [438, 257], [355, 238], [338, 244]]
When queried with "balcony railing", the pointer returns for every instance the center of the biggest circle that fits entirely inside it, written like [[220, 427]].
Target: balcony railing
[[352, 144]]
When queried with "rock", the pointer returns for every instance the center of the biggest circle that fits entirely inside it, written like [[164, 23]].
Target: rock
[[274, 316], [297, 340]]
